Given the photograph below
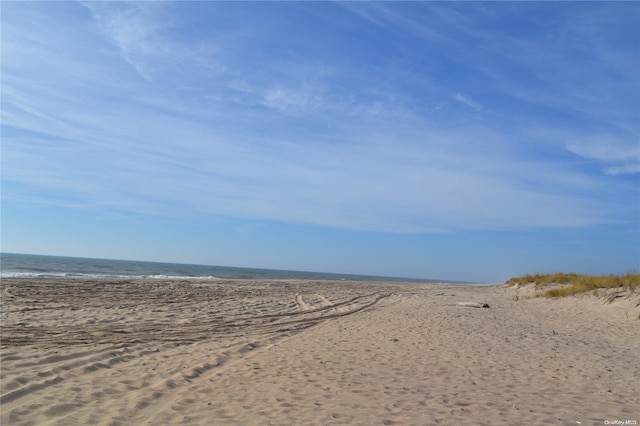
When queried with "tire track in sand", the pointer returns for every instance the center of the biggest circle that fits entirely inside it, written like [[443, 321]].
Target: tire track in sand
[[302, 305], [142, 361], [204, 376]]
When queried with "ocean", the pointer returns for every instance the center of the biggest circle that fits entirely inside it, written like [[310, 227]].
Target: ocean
[[33, 266]]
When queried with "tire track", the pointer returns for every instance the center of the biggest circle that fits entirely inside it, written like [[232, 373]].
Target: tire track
[[197, 330], [57, 350]]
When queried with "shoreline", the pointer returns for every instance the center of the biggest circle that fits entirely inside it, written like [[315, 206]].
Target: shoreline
[[37, 266], [119, 351]]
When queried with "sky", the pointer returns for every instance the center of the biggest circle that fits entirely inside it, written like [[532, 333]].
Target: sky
[[469, 141]]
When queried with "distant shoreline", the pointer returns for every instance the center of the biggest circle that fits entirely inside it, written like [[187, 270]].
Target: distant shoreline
[[16, 265]]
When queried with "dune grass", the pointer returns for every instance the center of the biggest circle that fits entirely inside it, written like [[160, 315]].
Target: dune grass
[[575, 283]]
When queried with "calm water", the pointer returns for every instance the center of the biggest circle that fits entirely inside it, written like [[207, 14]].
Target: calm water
[[28, 265]]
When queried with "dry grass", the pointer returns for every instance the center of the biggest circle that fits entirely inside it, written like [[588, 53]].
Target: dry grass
[[573, 283]]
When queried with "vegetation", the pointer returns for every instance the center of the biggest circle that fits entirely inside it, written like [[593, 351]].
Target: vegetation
[[569, 284]]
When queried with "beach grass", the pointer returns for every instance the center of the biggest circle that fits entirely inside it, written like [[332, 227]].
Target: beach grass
[[571, 283]]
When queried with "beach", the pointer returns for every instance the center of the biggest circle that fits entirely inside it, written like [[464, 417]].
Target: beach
[[291, 352]]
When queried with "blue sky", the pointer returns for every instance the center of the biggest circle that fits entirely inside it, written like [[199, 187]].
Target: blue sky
[[464, 141]]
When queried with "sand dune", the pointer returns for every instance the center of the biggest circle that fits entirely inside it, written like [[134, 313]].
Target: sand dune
[[110, 352]]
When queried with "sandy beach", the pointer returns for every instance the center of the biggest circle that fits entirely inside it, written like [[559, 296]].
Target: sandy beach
[[240, 352]]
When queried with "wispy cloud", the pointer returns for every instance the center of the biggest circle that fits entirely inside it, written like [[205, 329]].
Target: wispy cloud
[[313, 140], [129, 27], [466, 100], [619, 156], [622, 170]]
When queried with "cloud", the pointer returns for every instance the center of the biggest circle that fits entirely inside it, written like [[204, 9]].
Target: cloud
[[431, 182], [331, 146], [127, 27], [606, 149], [141, 31], [297, 94], [619, 155], [467, 101], [622, 170]]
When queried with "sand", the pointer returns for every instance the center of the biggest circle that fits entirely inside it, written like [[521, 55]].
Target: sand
[[222, 352]]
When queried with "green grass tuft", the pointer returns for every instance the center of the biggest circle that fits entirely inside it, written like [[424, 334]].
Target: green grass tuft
[[573, 283]]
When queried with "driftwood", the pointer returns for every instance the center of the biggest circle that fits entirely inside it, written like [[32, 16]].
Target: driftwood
[[471, 304]]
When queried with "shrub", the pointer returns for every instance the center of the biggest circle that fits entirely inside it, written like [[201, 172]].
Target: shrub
[[574, 283]]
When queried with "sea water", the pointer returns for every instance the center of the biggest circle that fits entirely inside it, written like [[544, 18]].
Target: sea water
[[29, 265]]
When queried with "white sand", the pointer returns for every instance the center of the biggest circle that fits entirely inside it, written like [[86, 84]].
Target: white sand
[[111, 352]]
